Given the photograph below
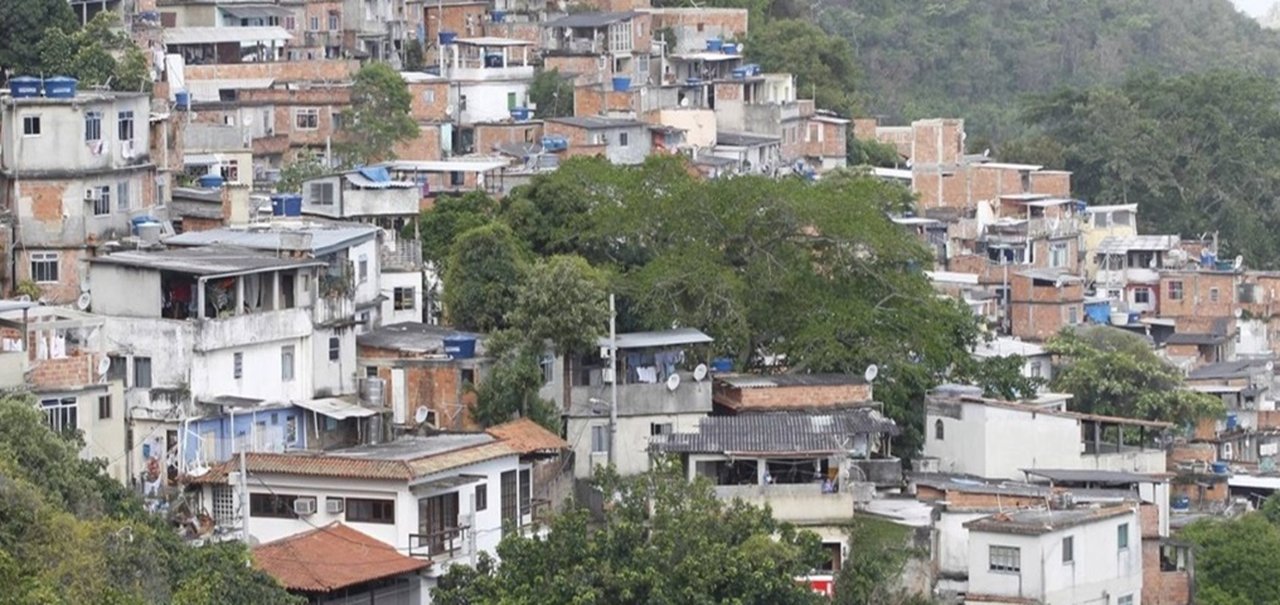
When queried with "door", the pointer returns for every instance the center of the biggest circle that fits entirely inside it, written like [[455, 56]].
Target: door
[[438, 523], [399, 396]]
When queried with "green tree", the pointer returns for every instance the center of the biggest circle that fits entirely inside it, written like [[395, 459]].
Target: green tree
[[552, 93], [999, 377], [414, 59], [1113, 372], [873, 153], [663, 540], [378, 118], [451, 216], [563, 303], [25, 24], [823, 65], [306, 165], [1234, 559], [879, 554], [100, 54], [482, 278], [511, 388]]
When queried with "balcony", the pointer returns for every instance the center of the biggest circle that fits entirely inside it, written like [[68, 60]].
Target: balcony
[[401, 255], [250, 328], [439, 546], [333, 310], [1131, 275], [803, 503], [1108, 457]]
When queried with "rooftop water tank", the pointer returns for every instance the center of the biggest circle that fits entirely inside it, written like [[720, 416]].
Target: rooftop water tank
[[497, 16], [621, 83], [730, 49], [24, 87], [1180, 503], [138, 221], [714, 44], [149, 232], [277, 204], [448, 38], [460, 347], [291, 204], [722, 365], [519, 114], [210, 181], [1220, 468], [182, 99], [554, 142], [60, 87]]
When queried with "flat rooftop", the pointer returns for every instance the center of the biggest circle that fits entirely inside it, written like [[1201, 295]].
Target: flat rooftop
[[756, 381], [210, 260], [414, 447], [324, 239], [415, 337], [1038, 522]]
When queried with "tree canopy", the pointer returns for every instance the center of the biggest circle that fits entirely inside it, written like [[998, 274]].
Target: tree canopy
[[552, 93], [1234, 559], [24, 25], [378, 118], [1113, 372], [663, 540], [482, 278], [70, 534]]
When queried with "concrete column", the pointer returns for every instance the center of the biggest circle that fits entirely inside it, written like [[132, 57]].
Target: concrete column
[[239, 295]]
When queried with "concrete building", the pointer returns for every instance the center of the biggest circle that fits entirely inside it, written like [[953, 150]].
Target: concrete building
[[658, 393], [600, 46], [1044, 301], [74, 171], [973, 435], [488, 82], [621, 141], [1057, 557], [443, 498], [1127, 270], [416, 372], [1102, 222], [1037, 363], [751, 153]]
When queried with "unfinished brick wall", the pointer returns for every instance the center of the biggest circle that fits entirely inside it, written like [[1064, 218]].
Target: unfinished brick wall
[[1202, 453], [1039, 311], [1056, 183], [577, 137], [489, 136], [937, 142], [73, 371], [1162, 587], [423, 148], [599, 100], [586, 69], [319, 70], [794, 396], [430, 101], [703, 23], [435, 385], [527, 31], [1198, 294], [958, 499]]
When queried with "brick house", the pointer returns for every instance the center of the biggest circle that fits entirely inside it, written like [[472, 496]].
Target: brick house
[[411, 360], [622, 141], [1043, 301]]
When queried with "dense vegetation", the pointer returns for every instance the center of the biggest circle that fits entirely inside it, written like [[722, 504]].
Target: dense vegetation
[[1234, 557], [70, 534]]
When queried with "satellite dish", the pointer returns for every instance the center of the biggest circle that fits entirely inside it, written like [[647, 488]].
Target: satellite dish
[[420, 416], [1271, 366], [673, 382], [248, 120], [872, 371], [1239, 262], [82, 303], [448, 110], [199, 470], [25, 298], [700, 372], [1238, 312], [103, 366]]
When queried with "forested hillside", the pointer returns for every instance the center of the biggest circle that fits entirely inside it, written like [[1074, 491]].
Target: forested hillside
[[975, 58]]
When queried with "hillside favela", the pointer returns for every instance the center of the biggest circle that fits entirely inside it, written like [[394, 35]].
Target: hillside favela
[[639, 302]]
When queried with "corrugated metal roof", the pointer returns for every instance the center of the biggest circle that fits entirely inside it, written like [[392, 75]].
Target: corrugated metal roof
[[447, 165], [218, 35], [256, 12], [776, 433], [1035, 522], [323, 239], [757, 381], [335, 408], [493, 41], [662, 338], [591, 19], [745, 139], [1120, 245], [211, 260], [1090, 476], [364, 182]]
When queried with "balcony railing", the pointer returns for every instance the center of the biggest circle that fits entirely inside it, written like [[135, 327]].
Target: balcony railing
[[438, 545]]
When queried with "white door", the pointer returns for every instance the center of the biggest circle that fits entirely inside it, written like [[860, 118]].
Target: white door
[[399, 396]]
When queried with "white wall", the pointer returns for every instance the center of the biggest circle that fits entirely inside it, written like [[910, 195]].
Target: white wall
[[389, 283], [1252, 339], [213, 373], [487, 101], [952, 555], [633, 440], [998, 443], [368, 290], [120, 290], [1099, 573], [334, 377], [61, 145]]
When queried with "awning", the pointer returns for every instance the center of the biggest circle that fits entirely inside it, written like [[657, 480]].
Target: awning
[[449, 482], [220, 35], [664, 338], [255, 12], [337, 409]]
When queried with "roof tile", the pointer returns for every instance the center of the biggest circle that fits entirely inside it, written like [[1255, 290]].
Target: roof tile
[[331, 557]]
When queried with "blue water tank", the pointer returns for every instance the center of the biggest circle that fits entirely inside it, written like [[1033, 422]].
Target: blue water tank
[[621, 83], [493, 60], [210, 181], [1220, 468], [140, 220], [730, 49], [714, 44], [1180, 503], [448, 37], [24, 87], [182, 99], [277, 204], [722, 365], [460, 347], [497, 16], [1232, 421], [554, 142], [291, 204], [741, 72], [519, 114], [60, 87], [1207, 259]]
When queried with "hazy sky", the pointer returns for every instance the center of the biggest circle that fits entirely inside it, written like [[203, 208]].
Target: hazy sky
[[1254, 7]]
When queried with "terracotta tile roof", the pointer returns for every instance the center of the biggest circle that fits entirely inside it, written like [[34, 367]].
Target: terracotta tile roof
[[443, 462], [331, 557], [528, 437]]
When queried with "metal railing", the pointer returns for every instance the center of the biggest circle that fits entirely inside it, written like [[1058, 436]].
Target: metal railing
[[438, 544]]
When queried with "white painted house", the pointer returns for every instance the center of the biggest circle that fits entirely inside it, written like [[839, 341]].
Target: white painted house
[[1073, 556], [1036, 362]]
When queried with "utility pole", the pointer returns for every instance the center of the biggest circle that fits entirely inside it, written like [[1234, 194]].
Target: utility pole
[[613, 384]]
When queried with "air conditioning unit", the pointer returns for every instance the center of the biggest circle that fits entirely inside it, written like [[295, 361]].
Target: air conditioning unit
[[335, 506], [304, 506], [91, 195]]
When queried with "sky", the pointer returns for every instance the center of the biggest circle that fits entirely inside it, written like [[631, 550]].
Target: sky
[[1254, 7]]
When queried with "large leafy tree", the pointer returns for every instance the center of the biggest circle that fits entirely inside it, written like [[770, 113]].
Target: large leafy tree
[[99, 54], [870, 574], [822, 64], [378, 118], [1113, 372], [1234, 559], [552, 93], [23, 25], [663, 540], [70, 534], [482, 278]]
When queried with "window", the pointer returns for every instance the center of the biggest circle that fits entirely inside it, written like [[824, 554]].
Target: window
[[1058, 254], [429, 96], [599, 439], [462, 102], [30, 126], [365, 510], [286, 363], [142, 372], [623, 139], [467, 376], [1068, 549], [371, 371], [315, 23], [237, 365], [1006, 559], [939, 431], [659, 428], [511, 100], [306, 119], [272, 505], [322, 194], [482, 497], [362, 268], [290, 23], [456, 179], [104, 407], [1122, 536], [124, 125], [335, 348], [548, 365], [118, 370], [526, 493], [1125, 600], [122, 196], [1142, 296], [1036, 370], [1175, 290], [101, 200], [333, 21], [93, 126], [60, 414], [510, 500], [1073, 315], [403, 299], [1213, 295], [44, 267]]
